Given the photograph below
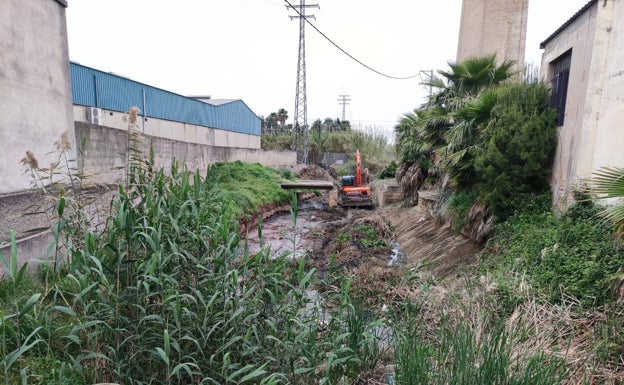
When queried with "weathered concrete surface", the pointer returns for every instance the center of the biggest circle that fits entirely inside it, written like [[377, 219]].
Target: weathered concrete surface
[[493, 26], [426, 241], [35, 89], [31, 214], [591, 136], [387, 191], [31, 250], [308, 185], [104, 153], [24, 212]]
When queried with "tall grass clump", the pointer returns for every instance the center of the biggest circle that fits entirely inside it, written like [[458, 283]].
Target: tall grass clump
[[165, 292], [463, 351], [246, 188]]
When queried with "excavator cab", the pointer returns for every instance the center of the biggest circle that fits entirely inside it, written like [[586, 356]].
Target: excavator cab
[[348, 180], [353, 193]]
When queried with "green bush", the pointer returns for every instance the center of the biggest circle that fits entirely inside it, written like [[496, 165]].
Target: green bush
[[520, 142], [460, 205], [389, 171], [572, 255]]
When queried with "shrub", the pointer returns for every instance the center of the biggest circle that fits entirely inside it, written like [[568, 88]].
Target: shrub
[[573, 255], [389, 171], [460, 205], [520, 142]]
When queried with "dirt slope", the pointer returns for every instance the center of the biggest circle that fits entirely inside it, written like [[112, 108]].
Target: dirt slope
[[427, 243]]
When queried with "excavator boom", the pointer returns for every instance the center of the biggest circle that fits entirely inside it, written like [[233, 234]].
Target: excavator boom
[[353, 192]]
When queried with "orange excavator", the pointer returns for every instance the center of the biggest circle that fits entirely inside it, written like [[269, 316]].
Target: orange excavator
[[353, 192]]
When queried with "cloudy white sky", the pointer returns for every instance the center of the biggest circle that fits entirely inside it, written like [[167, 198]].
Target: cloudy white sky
[[248, 49]]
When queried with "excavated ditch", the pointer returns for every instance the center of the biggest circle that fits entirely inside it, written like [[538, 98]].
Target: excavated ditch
[[380, 248], [405, 240]]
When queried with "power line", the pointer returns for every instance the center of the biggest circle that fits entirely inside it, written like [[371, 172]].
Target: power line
[[347, 53]]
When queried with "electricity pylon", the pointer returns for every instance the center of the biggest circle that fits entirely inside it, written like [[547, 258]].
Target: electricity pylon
[[343, 101], [300, 126]]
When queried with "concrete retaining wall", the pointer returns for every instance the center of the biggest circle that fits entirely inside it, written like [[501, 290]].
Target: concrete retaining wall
[[103, 153]]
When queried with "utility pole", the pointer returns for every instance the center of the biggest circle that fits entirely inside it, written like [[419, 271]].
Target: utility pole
[[343, 101], [301, 104]]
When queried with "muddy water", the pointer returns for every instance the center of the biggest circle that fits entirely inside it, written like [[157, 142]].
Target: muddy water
[[282, 237]]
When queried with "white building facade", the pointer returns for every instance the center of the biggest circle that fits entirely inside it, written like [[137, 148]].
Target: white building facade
[[35, 86], [583, 61]]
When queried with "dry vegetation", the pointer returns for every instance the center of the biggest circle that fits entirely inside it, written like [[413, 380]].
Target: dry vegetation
[[441, 274]]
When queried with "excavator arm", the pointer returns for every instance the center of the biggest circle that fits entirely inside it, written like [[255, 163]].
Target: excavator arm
[[353, 192]]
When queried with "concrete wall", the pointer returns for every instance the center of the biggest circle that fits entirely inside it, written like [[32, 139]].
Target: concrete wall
[[174, 130], [493, 26], [103, 156], [592, 135], [35, 88], [104, 152]]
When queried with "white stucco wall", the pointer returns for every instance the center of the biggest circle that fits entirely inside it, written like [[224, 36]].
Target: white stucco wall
[[35, 88], [168, 129], [592, 134], [609, 141]]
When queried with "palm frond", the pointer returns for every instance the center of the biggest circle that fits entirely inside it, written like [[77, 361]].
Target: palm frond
[[615, 216], [608, 182]]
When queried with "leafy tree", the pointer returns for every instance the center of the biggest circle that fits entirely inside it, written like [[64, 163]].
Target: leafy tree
[[269, 124], [332, 125], [275, 122], [459, 111], [489, 136]]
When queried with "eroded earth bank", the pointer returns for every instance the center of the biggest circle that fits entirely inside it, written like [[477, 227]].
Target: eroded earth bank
[[382, 248]]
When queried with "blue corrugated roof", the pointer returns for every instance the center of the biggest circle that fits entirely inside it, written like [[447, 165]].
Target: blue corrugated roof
[[95, 88]]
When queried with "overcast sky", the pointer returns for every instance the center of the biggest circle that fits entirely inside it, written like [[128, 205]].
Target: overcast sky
[[248, 49]]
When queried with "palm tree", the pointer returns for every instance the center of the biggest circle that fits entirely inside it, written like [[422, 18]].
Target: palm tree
[[271, 122], [460, 108], [473, 75], [282, 116], [444, 133], [608, 183], [415, 144]]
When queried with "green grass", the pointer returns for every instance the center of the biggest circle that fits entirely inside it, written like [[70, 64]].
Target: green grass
[[165, 293], [568, 256], [246, 188], [465, 351]]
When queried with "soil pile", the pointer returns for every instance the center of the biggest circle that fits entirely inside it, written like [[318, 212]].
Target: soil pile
[[314, 173]]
